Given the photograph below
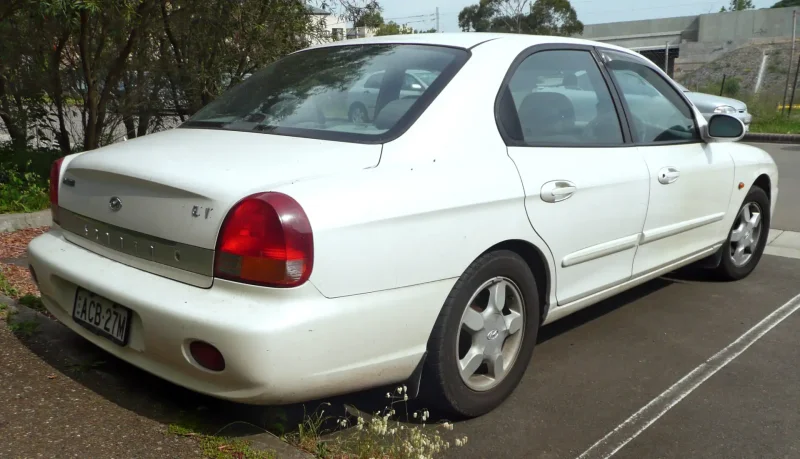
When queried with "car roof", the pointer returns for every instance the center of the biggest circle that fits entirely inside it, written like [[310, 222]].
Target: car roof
[[467, 40]]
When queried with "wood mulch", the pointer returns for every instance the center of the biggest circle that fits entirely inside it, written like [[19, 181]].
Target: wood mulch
[[13, 250]]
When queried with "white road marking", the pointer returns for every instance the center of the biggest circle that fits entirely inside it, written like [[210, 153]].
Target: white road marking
[[648, 414]]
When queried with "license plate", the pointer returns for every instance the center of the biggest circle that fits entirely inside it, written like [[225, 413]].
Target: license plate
[[102, 316]]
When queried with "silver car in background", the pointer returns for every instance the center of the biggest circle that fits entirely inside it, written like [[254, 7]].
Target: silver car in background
[[709, 105]]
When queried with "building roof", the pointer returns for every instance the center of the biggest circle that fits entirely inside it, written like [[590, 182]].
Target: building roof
[[318, 11]]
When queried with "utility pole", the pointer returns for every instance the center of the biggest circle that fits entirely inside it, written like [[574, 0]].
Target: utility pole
[[666, 58], [791, 59], [794, 86], [437, 22]]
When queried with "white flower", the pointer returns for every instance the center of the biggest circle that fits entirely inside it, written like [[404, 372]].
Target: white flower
[[343, 422], [399, 390], [405, 397], [388, 395], [458, 442], [405, 389], [415, 415]]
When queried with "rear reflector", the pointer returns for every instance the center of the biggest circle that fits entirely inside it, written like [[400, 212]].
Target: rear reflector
[[207, 356]]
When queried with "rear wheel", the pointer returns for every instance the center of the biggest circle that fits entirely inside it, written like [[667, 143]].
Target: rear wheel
[[747, 238], [484, 336]]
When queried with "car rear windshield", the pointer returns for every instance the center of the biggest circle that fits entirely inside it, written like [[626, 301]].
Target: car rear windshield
[[357, 93]]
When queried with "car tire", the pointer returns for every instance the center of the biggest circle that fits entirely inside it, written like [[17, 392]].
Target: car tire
[[453, 340], [751, 238], [358, 113]]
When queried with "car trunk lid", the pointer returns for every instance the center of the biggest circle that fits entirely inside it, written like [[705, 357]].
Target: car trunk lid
[[162, 197]]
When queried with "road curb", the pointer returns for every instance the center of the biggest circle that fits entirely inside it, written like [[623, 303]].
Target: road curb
[[14, 222], [771, 138]]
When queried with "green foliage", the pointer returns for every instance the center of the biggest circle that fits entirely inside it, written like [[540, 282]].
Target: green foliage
[[540, 17], [6, 288], [393, 28], [26, 328], [738, 5], [786, 3], [32, 301], [732, 87], [21, 191]]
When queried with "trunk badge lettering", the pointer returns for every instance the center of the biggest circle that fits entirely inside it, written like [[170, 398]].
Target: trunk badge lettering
[[196, 211], [115, 204]]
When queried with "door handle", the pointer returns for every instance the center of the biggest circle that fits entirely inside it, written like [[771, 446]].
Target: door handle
[[668, 175], [557, 190]]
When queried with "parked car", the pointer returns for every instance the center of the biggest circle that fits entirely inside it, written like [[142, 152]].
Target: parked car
[[270, 250], [363, 96], [710, 105]]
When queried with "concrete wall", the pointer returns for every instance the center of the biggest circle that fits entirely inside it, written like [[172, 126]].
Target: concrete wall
[[646, 27], [742, 26], [717, 29]]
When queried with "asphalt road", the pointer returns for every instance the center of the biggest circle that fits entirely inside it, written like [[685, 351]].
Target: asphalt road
[[787, 157], [593, 370]]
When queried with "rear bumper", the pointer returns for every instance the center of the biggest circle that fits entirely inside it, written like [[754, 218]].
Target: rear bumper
[[280, 345]]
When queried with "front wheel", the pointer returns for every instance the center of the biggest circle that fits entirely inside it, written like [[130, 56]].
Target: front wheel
[[484, 336], [747, 238]]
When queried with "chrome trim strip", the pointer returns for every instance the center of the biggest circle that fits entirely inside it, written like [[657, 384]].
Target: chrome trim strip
[[600, 250], [170, 253], [680, 227]]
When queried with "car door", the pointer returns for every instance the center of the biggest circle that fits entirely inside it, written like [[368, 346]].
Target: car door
[[585, 186], [691, 182]]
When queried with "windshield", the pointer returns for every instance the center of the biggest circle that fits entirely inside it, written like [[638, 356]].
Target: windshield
[[363, 93]]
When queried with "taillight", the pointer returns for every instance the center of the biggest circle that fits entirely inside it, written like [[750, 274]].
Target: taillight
[[55, 178], [265, 239]]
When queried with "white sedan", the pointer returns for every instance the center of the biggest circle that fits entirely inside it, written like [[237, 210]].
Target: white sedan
[[271, 250]]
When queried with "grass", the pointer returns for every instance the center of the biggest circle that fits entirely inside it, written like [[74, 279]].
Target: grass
[[26, 328], [214, 446], [32, 301], [767, 118], [776, 125], [6, 288]]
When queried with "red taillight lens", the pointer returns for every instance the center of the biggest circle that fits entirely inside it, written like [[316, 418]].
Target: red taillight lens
[[265, 239], [55, 178]]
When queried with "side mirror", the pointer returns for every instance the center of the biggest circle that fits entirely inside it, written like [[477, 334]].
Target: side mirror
[[416, 86], [724, 128]]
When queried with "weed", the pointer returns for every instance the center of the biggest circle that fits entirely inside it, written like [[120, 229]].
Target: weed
[[6, 288], [382, 435], [215, 447], [32, 301], [83, 367], [26, 328]]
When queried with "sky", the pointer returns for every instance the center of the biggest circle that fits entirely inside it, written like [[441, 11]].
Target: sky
[[421, 14]]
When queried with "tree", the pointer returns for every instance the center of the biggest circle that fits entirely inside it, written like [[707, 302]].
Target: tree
[[542, 17], [738, 5], [393, 28], [786, 3], [369, 17]]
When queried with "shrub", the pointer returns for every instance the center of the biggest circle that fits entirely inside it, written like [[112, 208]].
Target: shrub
[[22, 191]]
